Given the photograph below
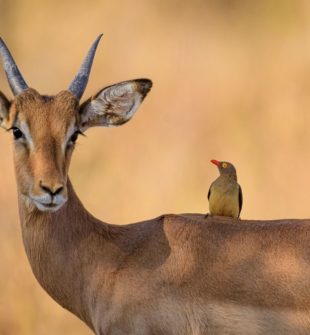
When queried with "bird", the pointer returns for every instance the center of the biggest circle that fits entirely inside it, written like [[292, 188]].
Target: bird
[[225, 194]]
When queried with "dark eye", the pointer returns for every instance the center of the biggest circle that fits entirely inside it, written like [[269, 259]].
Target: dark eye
[[17, 133], [75, 136]]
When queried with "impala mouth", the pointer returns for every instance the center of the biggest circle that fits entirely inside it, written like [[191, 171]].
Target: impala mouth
[[51, 205], [48, 207]]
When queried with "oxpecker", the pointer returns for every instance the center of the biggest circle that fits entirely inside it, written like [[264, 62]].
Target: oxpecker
[[225, 194]]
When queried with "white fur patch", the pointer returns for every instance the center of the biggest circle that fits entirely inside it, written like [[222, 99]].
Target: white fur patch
[[25, 130], [70, 132]]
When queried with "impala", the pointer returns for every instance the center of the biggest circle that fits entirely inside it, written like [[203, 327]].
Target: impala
[[172, 275]]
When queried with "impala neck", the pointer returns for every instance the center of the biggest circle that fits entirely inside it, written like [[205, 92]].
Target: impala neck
[[60, 248], [29, 214]]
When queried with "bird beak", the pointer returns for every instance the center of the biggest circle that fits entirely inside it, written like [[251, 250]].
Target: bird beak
[[215, 162]]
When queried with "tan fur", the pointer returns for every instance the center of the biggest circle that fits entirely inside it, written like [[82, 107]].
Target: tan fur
[[172, 275]]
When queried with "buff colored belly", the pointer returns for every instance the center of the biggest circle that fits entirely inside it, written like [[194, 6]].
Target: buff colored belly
[[224, 203]]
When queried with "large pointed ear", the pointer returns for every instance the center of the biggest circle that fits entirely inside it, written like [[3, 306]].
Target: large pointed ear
[[4, 110], [114, 105]]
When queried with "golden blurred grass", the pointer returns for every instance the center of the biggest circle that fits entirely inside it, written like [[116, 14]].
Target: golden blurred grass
[[231, 81]]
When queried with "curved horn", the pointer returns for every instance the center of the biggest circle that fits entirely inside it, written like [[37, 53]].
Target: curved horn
[[15, 79], [78, 85]]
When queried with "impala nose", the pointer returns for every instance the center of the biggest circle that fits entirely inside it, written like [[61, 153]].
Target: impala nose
[[52, 189]]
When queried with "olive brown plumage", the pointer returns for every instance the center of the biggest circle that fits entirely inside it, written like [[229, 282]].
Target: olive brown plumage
[[225, 194]]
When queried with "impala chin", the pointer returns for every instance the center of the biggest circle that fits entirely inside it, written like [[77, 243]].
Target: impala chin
[[52, 205]]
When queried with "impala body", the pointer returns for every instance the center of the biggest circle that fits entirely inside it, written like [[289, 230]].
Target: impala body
[[172, 275]]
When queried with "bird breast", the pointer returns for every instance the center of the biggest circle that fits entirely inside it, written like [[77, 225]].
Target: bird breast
[[224, 198]]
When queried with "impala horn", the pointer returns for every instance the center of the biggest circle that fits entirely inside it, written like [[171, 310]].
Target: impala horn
[[15, 79], [78, 85]]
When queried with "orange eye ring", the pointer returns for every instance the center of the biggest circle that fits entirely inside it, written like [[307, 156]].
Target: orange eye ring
[[224, 165]]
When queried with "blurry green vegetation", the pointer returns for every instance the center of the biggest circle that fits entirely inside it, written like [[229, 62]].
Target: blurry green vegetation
[[231, 81]]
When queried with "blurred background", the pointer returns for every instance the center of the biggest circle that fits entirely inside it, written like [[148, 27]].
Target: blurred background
[[231, 82]]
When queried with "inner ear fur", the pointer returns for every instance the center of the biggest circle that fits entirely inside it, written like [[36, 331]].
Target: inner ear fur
[[4, 110], [115, 104]]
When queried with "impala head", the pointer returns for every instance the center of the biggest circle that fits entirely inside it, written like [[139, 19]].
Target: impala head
[[45, 128]]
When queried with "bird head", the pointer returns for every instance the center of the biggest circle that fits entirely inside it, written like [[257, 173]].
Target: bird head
[[225, 168]]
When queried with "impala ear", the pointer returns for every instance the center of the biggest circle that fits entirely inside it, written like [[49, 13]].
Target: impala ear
[[114, 105], [4, 110]]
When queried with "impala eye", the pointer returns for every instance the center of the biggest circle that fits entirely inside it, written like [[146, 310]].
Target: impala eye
[[17, 133], [75, 136]]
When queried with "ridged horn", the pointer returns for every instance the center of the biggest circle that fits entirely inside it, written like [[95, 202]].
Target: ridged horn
[[78, 85], [15, 79]]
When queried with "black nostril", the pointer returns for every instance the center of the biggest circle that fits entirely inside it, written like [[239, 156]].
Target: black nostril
[[51, 191], [58, 190]]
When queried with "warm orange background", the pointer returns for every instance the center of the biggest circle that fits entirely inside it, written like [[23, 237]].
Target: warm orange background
[[231, 81]]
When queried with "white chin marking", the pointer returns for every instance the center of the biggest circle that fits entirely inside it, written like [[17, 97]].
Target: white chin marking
[[48, 208]]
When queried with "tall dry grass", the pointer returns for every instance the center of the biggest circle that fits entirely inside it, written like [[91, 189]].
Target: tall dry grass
[[231, 81]]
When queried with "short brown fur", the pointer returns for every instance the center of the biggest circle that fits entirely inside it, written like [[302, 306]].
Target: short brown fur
[[172, 275]]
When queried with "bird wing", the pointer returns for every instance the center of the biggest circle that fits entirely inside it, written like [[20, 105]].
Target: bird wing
[[240, 199], [209, 193]]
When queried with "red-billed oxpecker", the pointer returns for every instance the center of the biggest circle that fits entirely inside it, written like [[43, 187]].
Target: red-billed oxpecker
[[225, 194]]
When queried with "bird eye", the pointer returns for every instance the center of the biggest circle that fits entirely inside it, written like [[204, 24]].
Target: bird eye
[[224, 165], [17, 133]]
